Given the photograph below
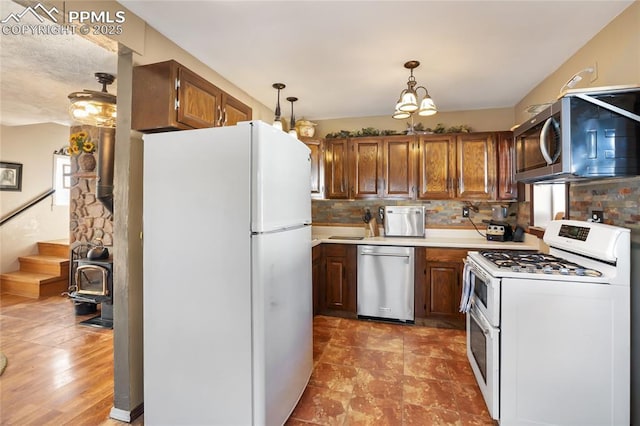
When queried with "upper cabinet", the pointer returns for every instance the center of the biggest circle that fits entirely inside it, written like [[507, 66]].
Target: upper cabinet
[[317, 165], [398, 167], [507, 185], [336, 168], [370, 167], [427, 167], [366, 168], [233, 111], [436, 167], [476, 164], [169, 96]]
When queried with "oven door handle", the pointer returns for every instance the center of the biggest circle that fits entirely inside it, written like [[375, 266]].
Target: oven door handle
[[481, 322]]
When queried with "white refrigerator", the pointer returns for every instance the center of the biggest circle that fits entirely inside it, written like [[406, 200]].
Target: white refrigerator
[[227, 276]]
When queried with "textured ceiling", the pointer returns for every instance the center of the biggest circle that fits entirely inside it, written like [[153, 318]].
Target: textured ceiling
[[37, 73], [340, 58]]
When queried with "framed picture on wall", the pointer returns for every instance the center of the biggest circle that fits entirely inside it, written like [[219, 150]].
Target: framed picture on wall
[[10, 176]]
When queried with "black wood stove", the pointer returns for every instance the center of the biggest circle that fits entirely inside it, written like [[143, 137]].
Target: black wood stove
[[92, 283]]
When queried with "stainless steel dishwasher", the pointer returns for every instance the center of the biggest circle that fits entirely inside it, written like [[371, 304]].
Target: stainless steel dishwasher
[[385, 282]]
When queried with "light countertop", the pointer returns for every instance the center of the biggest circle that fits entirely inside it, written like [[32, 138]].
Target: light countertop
[[452, 238]]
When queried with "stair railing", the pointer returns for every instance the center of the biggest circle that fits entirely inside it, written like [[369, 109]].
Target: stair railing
[[27, 206]]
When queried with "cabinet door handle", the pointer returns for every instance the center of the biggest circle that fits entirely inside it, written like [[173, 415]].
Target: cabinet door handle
[[224, 111], [219, 120]]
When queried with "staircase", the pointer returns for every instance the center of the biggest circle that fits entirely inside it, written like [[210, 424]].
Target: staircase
[[40, 275]]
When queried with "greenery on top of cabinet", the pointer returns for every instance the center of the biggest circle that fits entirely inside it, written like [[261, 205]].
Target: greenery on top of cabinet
[[418, 129]]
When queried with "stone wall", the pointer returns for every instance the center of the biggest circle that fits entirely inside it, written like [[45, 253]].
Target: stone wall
[[89, 218]]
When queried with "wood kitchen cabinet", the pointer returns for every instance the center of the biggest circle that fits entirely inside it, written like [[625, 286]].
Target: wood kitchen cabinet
[[366, 167], [507, 188], [457, 166], [398, 167], [426, 167], [436, 167], [476, 166], [336, 168], [370, 167], [340, 279], [438, 286], [317, 166], [233, 111], [169, 96]]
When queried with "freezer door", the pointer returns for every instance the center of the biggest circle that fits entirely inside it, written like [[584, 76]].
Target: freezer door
[[282, 322], [281, 166]]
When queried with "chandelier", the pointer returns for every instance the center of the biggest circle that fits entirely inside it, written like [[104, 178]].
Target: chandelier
[[408, 102], [95, 108]]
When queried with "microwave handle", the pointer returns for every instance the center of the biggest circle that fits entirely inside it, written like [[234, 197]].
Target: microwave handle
[[543, 142]]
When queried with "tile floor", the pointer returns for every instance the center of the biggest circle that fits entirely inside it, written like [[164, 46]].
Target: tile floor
[[373, 373]]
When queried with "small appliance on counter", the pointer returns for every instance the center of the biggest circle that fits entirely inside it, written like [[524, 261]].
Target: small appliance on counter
[[404, 221], [499, 231]]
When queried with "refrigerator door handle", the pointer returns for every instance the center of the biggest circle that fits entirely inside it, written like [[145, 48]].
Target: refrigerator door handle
[[284, 229]]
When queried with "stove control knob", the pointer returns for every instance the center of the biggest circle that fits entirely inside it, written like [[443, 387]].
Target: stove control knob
[[515, 268], [547, 269], [564, 271], [581, 271]]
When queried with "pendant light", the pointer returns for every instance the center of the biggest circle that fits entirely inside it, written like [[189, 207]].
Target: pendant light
[[276, 121], [408, 104], [95, 108], [292, 123]]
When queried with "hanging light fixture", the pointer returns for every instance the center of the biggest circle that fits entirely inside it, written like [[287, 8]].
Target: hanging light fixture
[[95, 108], [292, 123], [276, 121], [407, 104]]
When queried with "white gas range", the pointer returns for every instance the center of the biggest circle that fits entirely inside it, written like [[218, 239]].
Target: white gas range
[[548, 335]]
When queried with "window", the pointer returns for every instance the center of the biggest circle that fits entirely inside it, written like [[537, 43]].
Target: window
[[547, 201], [61, 179]]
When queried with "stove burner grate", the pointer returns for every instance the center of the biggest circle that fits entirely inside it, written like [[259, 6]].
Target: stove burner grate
[[533, 262]]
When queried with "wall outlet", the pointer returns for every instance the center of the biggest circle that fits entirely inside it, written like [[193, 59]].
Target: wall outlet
[[597, 216], [465, 212]]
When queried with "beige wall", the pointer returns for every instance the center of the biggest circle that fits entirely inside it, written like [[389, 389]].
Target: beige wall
[[615, 49], [479, 121], [33, 147]]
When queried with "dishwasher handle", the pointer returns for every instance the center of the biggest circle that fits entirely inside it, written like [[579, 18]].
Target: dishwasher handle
[[371, 253]]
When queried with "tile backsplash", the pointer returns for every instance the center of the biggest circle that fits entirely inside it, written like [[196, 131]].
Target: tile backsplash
[[439, 213], [619, 199]]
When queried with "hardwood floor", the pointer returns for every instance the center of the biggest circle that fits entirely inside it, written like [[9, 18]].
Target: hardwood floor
[[58, 372], [366, 373]]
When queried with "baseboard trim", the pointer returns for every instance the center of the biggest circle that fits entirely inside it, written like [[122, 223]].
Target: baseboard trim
[[126, 416]]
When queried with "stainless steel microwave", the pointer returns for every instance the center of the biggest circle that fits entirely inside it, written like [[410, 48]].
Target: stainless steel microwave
[[583, 135]]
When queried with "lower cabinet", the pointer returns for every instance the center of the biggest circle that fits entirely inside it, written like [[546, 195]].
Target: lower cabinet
[[438, 286], [438, 283], [337, 280]]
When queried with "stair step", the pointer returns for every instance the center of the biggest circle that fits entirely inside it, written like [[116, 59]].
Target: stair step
[[54, 248], [45, 264], [32, 284]]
